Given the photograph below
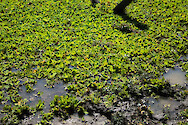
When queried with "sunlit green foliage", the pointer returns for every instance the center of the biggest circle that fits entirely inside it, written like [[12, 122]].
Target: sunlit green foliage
[[40, 105], [70, 41], [63, 106], [46, 118]]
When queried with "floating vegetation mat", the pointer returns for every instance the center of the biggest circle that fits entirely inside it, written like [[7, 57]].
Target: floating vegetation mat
[[108, 62]]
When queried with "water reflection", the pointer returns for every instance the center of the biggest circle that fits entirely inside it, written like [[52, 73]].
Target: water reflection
[[176, 76], [158, 106], [47, 96]]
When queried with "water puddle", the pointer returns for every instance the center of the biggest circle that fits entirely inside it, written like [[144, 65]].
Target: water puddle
[[157, 105], [47, 96], [166, 104], [176, 76], [162, 105]]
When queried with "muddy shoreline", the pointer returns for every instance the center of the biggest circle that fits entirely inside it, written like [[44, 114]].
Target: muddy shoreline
[[135, 110], [164, 108], [123, 113]]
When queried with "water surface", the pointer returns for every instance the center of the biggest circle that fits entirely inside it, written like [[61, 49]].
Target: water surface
[[176, 76], [47, 96]]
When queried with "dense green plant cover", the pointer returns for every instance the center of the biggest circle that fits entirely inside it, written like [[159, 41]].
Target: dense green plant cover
[[73, 42]]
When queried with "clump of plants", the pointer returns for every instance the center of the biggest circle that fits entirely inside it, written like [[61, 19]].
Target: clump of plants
[[46, 118], [14, 114], [40, 105], [63, 106]]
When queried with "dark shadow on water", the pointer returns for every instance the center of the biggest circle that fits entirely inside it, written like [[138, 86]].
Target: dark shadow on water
[[120, 10]]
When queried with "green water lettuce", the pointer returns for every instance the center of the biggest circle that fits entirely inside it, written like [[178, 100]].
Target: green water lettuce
[[101, 56]]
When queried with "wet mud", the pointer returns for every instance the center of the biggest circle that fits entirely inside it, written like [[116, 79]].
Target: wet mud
[[146, 110]]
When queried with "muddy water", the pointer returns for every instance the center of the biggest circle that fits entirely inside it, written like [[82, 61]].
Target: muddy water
[[158, 106], [176, 76], [47, 96]]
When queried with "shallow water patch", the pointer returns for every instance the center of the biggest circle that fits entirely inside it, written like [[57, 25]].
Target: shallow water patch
[[162, 105], [157, 105], [47, 93], [176, 76]]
